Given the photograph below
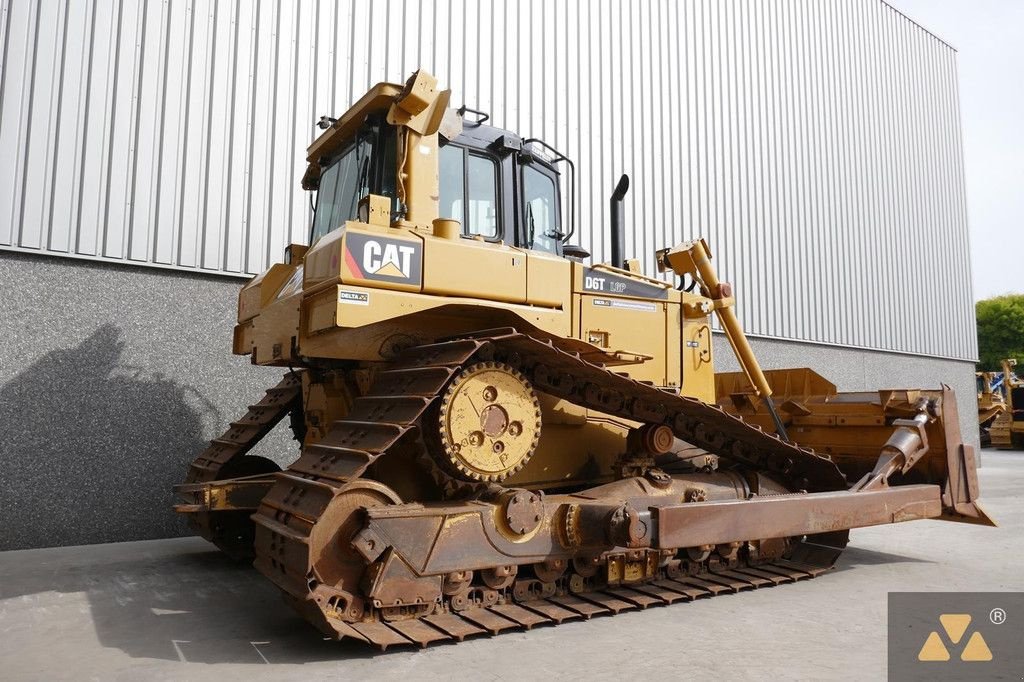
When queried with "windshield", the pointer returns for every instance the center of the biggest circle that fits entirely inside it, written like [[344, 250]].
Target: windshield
[[342, 185], [541, 211]]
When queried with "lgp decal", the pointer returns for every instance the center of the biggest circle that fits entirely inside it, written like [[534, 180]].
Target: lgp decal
[[608, 283], [383, 259]]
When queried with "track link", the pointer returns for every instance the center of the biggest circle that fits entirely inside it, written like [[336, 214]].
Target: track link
[[390, 412], [225, 452], [509, 617]]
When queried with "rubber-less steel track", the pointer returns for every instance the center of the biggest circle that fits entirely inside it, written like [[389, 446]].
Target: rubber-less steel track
[[226, 452], [392, 410], [458, 625]]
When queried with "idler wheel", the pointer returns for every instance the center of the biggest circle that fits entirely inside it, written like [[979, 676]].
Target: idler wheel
[[335, 563], [489, 423]]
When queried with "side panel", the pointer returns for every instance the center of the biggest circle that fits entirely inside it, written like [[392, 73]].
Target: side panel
[[262, 289], [323, 260], [697, 360], [628, 313], [548, 280], [275, 332], [363, 323], [477, 269], [629, 326]]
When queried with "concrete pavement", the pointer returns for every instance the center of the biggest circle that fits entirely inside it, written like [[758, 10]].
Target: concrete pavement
[[177, 610]]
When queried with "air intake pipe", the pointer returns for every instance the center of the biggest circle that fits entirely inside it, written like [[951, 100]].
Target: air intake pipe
[[618, 222]]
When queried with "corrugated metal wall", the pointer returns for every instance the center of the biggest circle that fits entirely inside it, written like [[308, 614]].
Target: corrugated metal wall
[[815, 143]]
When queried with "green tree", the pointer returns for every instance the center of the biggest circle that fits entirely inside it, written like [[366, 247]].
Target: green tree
[[1000, 330]]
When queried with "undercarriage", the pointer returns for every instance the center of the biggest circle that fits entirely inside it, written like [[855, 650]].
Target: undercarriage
[[736, 508]]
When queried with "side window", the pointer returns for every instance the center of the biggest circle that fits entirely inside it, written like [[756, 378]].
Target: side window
[[482, 215], [462, 175], [342, 184], [452, 181], [540, 211]]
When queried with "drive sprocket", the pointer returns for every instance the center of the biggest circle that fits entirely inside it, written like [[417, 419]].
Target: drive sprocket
[[489, 423]]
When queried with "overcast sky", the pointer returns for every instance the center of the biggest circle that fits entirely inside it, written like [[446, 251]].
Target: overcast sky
[[989, 38]]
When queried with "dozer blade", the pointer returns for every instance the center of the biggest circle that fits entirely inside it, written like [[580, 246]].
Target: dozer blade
[[960, 492], [853, 428]]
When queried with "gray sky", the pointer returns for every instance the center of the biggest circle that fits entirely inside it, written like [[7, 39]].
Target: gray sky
[[989, 38]]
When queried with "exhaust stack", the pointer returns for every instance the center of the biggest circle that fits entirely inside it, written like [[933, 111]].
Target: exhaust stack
[[618, 222]]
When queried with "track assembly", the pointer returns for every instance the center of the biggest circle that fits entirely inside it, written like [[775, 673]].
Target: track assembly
[[568, 606], [307, 523]]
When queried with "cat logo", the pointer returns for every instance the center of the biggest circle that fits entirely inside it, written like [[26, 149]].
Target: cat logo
[[387, 260], [955, 625]]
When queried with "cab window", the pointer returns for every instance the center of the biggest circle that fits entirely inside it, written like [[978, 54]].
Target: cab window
[[342, 184], [540, 212], [469, 191]]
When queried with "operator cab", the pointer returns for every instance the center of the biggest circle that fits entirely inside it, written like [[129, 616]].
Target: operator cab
[[502, 188], [366, 165], [499, 187]]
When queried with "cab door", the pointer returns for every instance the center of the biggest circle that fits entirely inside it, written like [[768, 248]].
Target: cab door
[[549, 275], [479, 264]]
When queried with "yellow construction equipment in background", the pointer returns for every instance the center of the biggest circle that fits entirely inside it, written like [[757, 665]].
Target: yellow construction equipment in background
[[1006, 429], [991, 404]]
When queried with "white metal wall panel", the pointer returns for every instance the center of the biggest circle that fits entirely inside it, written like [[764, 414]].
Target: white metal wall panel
[[815, 143]]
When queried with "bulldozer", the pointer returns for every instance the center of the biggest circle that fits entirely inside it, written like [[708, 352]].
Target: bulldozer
[[991, 403], [1006, 428], [494, 434]]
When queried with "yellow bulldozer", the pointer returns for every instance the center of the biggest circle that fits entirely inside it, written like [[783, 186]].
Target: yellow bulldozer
[[496, 435], [991, 403], [1006, 409]]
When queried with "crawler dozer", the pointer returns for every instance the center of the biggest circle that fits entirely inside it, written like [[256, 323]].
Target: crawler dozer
[[1006, 429], [991, 403], [495, 434]]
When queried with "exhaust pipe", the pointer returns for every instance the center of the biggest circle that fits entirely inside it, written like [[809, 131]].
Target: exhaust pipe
[[618, 222]]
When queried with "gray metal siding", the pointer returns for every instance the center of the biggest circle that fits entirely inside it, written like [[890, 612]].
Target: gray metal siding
[[816, 144]]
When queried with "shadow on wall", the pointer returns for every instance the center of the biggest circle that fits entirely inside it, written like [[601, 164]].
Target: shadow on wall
[[90, 448]]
